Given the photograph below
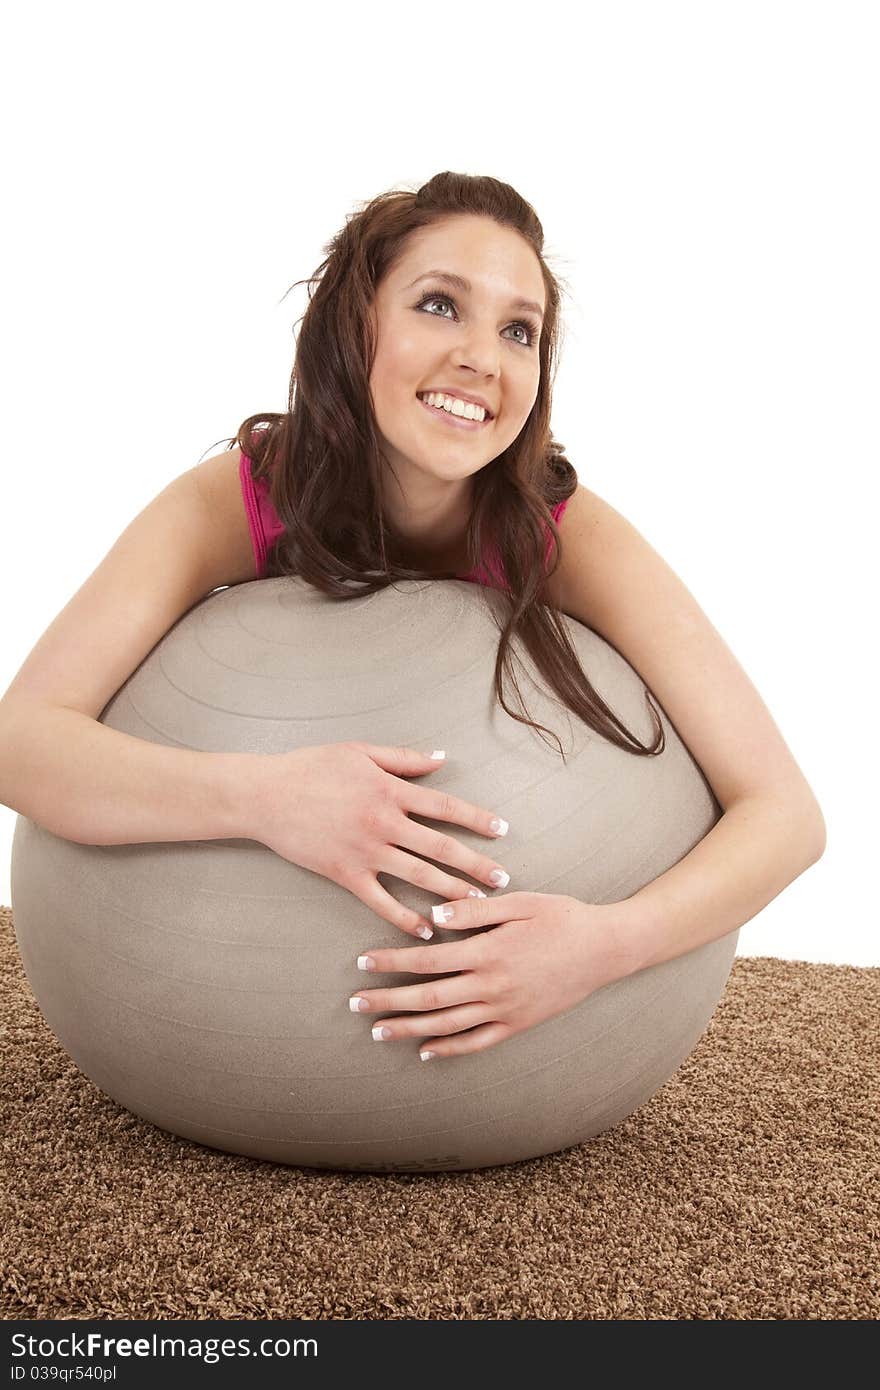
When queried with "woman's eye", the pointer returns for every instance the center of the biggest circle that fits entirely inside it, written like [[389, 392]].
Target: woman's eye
[[527, 328], [435, 300]]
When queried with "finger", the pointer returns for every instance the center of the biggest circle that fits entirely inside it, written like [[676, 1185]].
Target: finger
[[422, 998], [373, 895], [437, 805], [425, 875], [464, 913], [477, 1040], [439, 959], [446, 1022], [434, 844]]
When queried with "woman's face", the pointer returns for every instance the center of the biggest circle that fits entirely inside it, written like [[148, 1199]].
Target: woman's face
[[480, 341]]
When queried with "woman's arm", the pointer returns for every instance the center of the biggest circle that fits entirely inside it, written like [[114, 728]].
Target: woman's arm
[[758, 847], [772, 829]]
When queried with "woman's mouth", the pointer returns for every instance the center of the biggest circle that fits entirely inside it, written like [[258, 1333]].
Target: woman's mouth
[[457, 421]]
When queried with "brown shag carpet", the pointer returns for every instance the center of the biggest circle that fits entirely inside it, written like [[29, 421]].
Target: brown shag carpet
[[747, 1188]]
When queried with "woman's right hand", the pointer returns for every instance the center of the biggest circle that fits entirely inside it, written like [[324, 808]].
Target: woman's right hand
[[340, 809]]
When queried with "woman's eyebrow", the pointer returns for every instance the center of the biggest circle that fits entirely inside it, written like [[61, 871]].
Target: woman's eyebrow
[[459, 283]]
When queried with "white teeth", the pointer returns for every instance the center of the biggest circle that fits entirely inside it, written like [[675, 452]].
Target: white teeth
[[455, 406]]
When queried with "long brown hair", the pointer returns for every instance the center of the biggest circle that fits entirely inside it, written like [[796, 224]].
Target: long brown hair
[[323, 462]]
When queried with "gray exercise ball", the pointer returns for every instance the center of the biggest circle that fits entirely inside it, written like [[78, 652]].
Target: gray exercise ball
[[204, 984]]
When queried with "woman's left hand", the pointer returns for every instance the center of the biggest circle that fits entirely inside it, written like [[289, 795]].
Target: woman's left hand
[[547, 953]]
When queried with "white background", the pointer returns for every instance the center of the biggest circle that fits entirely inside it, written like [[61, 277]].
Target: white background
[[706, 174]]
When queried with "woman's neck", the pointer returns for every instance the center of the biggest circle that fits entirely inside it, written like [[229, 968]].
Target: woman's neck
[[435, 539]]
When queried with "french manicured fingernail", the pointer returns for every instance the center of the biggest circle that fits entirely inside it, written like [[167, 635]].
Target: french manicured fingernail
[[426, 1056], [475, 893], [381, 1034], [438, 754], [425, 932], [441, 914], [499, 826], [357, 1004], [499, 878], [366, 963]]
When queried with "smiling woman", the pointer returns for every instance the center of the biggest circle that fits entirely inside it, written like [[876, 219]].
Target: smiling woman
[[473, 353], [372, 484], [650, 861]]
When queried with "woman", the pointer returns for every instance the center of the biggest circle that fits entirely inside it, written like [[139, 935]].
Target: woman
[[425, 301]]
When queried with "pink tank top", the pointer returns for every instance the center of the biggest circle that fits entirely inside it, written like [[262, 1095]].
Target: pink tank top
[[265, 529]]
